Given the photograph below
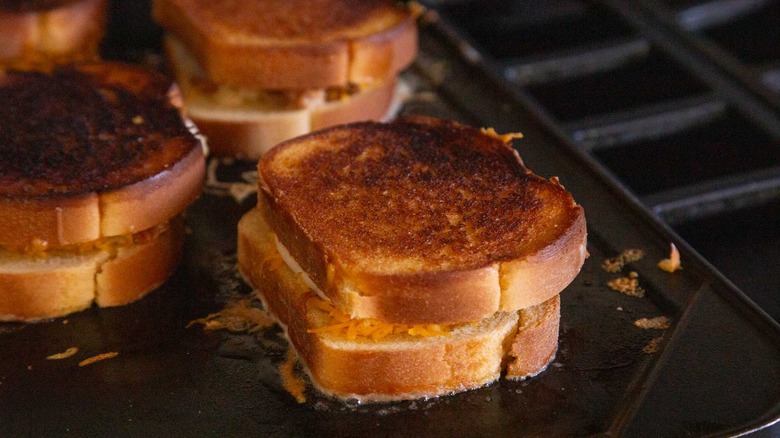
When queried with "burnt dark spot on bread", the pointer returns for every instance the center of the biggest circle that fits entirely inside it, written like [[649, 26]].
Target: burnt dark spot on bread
[[90, 129]]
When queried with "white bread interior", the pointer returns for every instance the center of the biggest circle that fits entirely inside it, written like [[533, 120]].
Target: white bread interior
[[248, 130], [57, 284], [400, 366]]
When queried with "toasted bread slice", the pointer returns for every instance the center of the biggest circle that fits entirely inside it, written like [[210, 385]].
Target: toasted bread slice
[[400, 365], [94, 151], [283, 44], [246, 123], [420, 221], [58, 283], [535, 343], [44, 33]]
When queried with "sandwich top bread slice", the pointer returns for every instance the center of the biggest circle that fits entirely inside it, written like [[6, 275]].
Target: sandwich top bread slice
[[288, 44], [97, 163], [420, 221], [371, 361], [256, 73], [40, 34]]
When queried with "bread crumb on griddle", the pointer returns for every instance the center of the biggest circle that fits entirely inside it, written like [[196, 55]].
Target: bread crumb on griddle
[[64, 355], [615, 264], [98, 358], [658, 323], [653, 345], [672, 263], [628, 285]]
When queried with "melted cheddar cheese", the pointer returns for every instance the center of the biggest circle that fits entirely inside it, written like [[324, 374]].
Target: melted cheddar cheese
[[42, 248], [238, 317], [292, 381], [506, 138], [341, 324]]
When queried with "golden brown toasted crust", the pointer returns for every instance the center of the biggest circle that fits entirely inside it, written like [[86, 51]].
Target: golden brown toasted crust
[[23, 222], [292, 44], [420, 220], [425, 368], [42, 34], [47, 287], [34, 288], [536, 342], [399, 366], [139, 269], [124, 161], [154, 200]]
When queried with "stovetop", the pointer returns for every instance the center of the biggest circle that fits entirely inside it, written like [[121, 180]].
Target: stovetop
[[662, 120], [676, 101]]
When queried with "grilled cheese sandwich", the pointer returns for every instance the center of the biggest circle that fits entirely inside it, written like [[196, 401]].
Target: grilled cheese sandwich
[[292, 68], [371, 276], [97, 164]]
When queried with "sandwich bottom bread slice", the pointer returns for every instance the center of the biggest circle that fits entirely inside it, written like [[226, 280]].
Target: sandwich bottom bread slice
[[245, 122], [108, 272], [373, 361]]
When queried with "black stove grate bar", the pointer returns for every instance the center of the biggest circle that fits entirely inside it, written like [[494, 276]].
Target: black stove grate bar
[[652, 121], [696, 201], [713, 13], [738, 36]]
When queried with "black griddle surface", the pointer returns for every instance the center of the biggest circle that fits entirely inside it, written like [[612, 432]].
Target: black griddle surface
[[716, 370]]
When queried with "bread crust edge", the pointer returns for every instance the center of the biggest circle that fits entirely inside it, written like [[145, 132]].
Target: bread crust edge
[[374, 372], [439, 296], [257, 131], [98, 278], [337, 62]]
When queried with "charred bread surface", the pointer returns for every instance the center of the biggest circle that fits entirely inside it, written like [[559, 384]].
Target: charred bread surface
[[97, 165], [92, 151], [21, 6], [420, 220]]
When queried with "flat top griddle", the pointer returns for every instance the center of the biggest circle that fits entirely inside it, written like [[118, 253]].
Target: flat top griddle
[[716, 370]]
